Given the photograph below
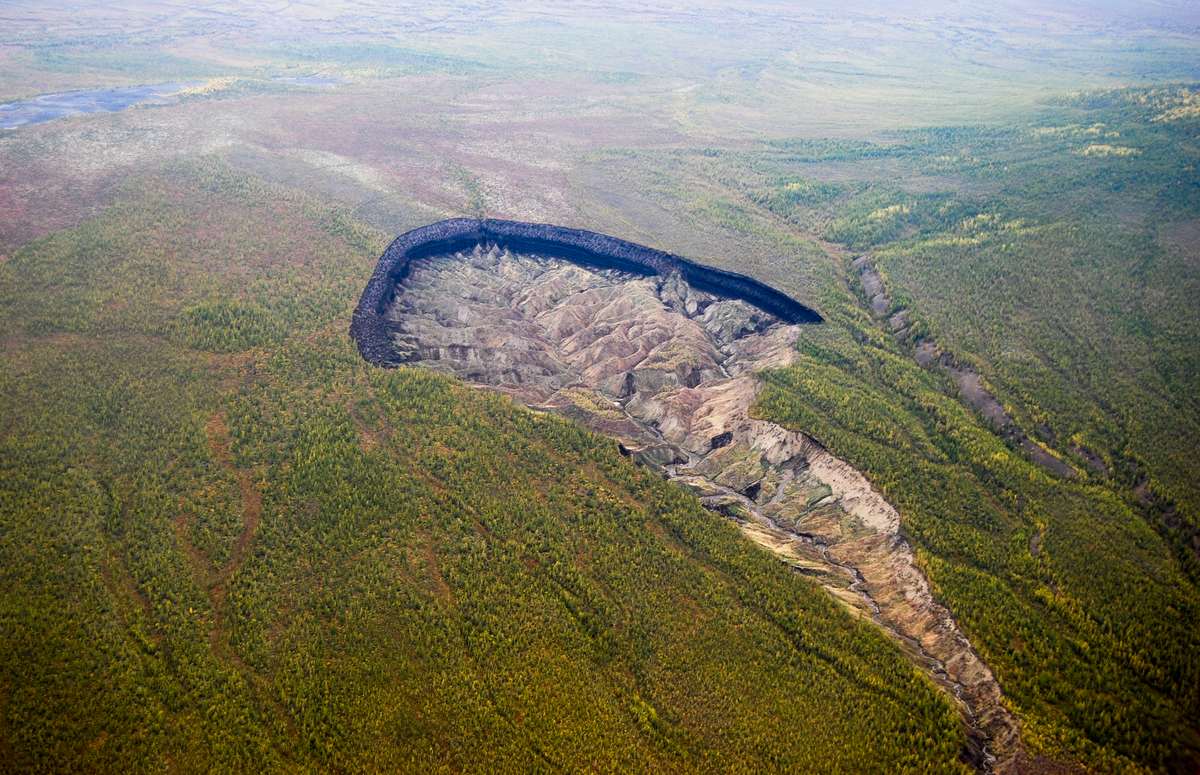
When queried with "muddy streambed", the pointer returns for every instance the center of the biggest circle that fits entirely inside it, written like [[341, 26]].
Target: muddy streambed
[[668, 371]]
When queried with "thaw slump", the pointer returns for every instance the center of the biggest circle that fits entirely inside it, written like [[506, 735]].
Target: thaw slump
[[667, 370]]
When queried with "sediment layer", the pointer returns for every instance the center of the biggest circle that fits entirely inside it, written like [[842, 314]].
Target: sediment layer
[[370, 328]]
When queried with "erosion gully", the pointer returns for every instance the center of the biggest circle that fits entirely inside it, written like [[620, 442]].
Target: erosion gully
[[933, 666]]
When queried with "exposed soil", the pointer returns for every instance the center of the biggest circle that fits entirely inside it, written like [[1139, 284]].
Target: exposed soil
[[873, 286], [667, 370], [1095, 461], [977, 396]]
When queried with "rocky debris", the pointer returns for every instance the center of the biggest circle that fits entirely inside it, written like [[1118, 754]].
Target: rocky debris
[[668, 371], [872, 285], [880, 304], [370, 328]]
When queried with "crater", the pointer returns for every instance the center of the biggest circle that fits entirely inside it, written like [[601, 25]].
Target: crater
[[371, 329], [660, 354]]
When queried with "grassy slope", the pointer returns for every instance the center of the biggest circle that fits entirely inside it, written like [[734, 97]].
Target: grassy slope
[[224, 540]]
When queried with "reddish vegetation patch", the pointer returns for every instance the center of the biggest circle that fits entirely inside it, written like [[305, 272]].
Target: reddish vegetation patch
[[655, 527], [117, 579], [35, 202], [414, 138], [218, 440], [368, 437], [197, 559]]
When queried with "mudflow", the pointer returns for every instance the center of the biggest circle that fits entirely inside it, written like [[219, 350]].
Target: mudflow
[[669, 372]]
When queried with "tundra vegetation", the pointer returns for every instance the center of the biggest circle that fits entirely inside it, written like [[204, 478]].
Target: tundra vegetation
[[226, 542]]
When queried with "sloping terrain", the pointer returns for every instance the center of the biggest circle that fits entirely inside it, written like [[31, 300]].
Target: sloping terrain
[[226, 543], [206, 545], [669, 372]]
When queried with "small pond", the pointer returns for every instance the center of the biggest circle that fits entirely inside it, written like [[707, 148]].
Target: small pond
[[77, 103]]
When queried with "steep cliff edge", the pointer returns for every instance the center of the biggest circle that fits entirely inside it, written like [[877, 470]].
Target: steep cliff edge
[[583, 248], [667, 369]]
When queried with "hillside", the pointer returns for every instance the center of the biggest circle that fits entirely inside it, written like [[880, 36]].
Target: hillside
[[241, 546], [598, 518], [1067, 281]]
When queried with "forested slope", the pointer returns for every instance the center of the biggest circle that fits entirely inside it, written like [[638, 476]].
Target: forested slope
[[227, 543], [1059, 263]]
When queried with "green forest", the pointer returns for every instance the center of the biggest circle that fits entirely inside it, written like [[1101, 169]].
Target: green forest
[[1080, 593], [226, 543]]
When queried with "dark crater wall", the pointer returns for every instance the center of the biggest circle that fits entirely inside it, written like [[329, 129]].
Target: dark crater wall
[[372, 331]]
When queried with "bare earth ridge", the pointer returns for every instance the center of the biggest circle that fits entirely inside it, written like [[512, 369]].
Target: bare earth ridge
[[668, 371]]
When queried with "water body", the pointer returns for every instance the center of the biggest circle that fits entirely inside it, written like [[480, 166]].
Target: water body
[[80, 103], [311, 80]]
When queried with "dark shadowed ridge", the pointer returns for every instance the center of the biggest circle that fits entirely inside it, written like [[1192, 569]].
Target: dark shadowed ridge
[[372, 332]]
